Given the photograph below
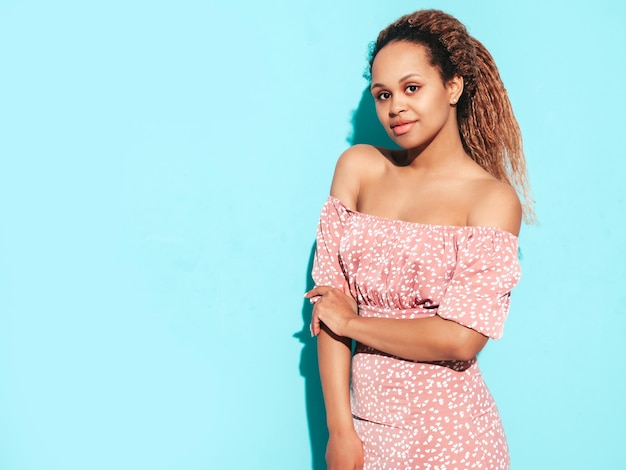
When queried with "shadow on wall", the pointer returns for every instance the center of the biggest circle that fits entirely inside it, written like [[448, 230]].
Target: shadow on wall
[[314, 402], [366, 130], [366, 126]]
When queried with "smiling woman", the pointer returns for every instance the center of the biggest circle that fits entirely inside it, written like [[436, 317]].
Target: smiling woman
[[417, 99], [417, 255]]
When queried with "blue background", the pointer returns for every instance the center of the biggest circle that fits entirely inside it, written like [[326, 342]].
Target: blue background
[[163, 165]]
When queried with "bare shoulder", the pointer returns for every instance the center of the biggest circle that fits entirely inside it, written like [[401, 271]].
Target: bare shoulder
[[496, 205], [354, 166]]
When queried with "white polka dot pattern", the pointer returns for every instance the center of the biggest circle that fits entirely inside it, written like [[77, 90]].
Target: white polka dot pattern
[[415, 415]]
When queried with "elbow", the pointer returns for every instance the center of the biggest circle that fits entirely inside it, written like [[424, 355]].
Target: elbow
[[466, 344]]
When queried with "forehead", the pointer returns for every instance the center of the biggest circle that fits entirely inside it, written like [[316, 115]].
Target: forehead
[[400, 58]]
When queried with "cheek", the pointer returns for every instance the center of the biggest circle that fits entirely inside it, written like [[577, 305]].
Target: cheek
[[434, 108]]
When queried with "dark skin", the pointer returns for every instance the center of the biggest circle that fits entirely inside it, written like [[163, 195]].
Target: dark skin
[[431, 180]]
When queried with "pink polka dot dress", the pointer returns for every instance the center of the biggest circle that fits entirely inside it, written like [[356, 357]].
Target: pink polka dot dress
[[421, 415]]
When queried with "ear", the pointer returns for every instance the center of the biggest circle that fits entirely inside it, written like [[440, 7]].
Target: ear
[[455, 88]]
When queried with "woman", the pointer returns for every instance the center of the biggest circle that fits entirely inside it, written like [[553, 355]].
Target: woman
[[416, 257]]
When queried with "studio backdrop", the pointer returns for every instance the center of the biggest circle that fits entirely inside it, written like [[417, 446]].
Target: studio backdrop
[[162, 169]]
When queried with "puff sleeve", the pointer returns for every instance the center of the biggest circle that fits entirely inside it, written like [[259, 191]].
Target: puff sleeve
[[487, 268], [327, 267]]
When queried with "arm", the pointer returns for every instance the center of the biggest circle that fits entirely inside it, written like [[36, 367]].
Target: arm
[[335, 351], [344, 450], [334, 355], [419, 339]]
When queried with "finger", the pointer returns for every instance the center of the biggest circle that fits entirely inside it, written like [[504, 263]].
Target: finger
[[317, 290], [346, 288], [314, 326]]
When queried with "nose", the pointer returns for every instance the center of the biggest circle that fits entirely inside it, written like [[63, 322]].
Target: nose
[[398, 106]]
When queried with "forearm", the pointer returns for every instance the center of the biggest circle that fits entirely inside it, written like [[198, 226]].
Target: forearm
[[334, 356], [420, 339]]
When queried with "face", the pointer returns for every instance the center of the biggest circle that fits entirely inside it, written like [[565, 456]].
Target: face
[[413, 103]]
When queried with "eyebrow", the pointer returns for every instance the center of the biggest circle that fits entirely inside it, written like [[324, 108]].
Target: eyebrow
[[380, 85]]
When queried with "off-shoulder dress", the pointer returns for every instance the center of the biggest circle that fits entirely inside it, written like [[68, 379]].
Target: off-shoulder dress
[[421, 415]]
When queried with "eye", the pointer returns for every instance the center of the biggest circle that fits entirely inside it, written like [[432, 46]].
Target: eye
[[383, 95], [412, 88]]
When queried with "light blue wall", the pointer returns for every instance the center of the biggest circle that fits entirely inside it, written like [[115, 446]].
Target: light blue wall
[[162, 169]]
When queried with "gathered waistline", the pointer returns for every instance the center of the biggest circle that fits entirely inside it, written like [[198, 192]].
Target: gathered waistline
[[421, 311]]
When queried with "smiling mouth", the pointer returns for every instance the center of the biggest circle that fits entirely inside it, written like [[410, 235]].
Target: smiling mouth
[[402, 127]]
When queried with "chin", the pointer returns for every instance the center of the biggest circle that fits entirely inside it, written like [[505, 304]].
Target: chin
[[409, 144]]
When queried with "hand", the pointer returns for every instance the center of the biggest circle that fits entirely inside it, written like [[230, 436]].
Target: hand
[[333, 307], [344, 452]]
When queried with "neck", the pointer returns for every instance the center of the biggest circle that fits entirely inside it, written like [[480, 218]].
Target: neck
[[443, 151]]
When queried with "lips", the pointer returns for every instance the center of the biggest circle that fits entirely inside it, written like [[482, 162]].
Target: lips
[[401, 127]]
